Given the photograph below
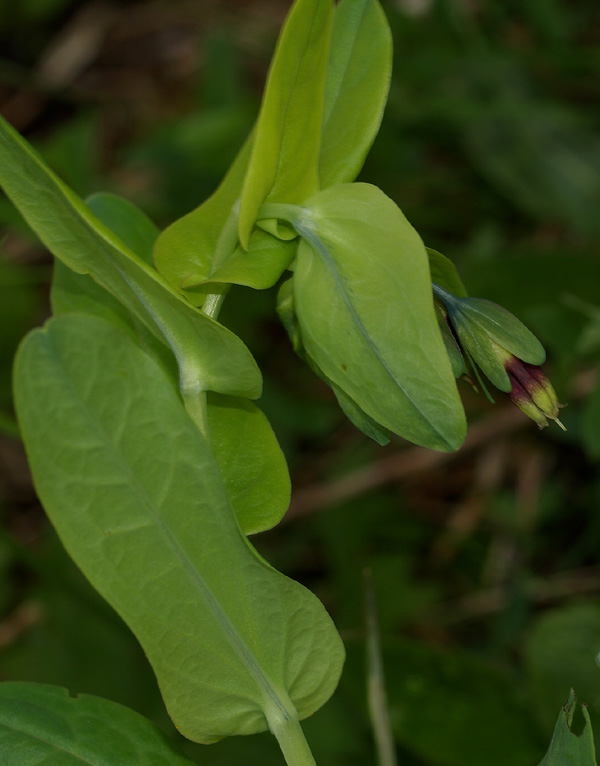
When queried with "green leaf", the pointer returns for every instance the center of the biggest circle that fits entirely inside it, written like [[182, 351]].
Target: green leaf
[[568, 748], [444, 273], [364, 305], [129, 223], [79, 293], [285, 156], [251, 462], [259, 267], [136, 496], [358, 79], [252, 465], [191, 248], [209, 356], [73, 292], [44, 724]]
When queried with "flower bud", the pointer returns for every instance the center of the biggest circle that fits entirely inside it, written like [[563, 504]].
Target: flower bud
[[509, 355]]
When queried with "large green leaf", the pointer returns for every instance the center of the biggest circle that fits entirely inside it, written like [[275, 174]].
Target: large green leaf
[[568, 748], [285, 156], [209, 356], [136, 496], [358, 79], [250, 459], [41, 724], [363, 299]]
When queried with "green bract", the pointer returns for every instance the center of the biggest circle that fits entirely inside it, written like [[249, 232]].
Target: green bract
[[482, 327]]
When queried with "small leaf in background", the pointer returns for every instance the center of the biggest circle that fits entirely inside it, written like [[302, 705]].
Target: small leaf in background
[[363, 300], [359, 71], [569, 747], [251, 462], [285, 156], [44, 724], [127, 479]]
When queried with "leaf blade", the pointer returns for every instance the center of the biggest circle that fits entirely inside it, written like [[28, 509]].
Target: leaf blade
[[284, 162], [209, 356], [359, 73], [42, 723], [384, 348], [226, 643]]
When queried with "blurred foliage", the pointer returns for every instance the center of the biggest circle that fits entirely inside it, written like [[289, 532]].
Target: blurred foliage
[[485, 562]]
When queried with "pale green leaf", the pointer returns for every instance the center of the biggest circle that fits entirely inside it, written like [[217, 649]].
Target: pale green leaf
[[136, 496], [284, 162], [251, 462], [259, 267], [209, 356], [358, 79], [365, 310], [42, 724], [191, 248]]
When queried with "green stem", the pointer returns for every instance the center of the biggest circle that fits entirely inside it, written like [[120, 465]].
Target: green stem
[[196, 406], [213, 303], [290, 737], [377, 698]]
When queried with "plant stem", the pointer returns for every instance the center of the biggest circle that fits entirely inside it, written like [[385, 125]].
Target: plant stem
[[290, 737], [384, 740], [196, 406], [213, 302]]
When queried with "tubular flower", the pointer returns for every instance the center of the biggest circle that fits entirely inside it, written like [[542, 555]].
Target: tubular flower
[[494, 341]]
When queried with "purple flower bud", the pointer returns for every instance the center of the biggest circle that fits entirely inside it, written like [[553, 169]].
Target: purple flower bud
[[532, 392]]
